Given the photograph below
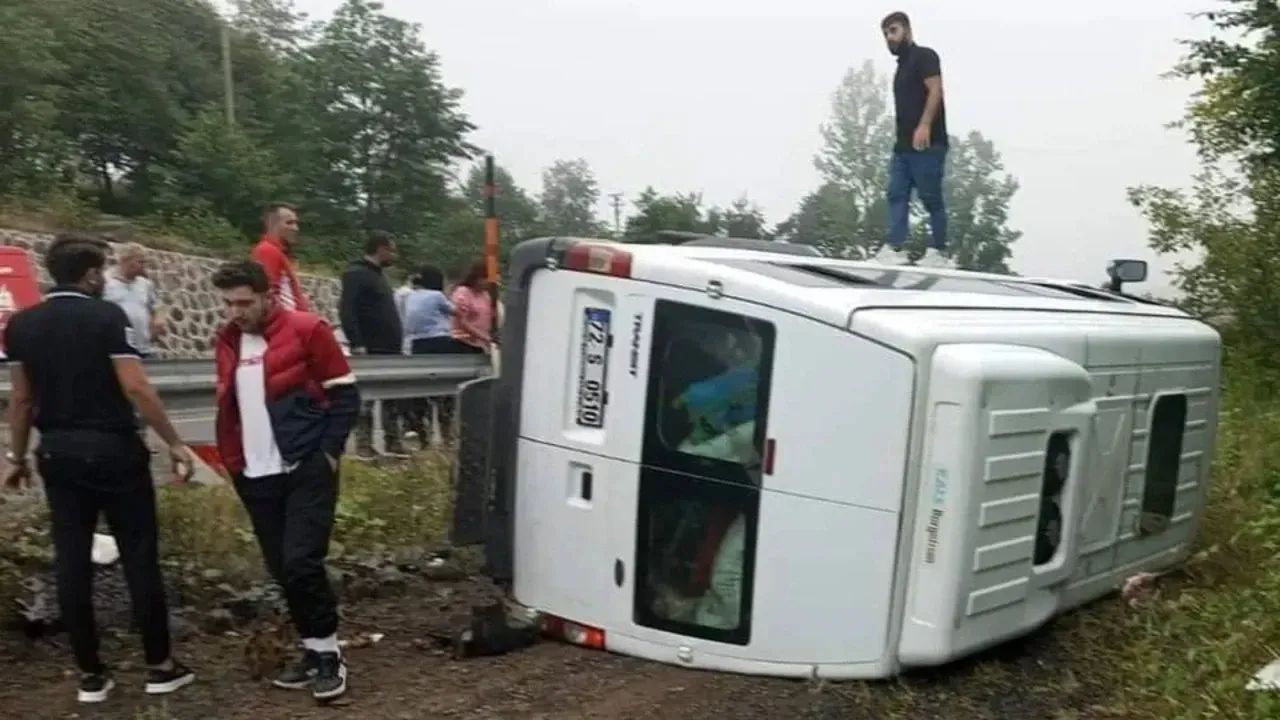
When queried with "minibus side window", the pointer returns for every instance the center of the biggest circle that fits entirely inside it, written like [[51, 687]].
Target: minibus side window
[[1164, 459], [699, 504]]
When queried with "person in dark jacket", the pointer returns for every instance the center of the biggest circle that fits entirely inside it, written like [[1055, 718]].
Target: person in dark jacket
[[371, 322], [286, 402]]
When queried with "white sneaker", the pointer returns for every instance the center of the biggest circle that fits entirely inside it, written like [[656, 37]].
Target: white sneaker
[[934, 259], [888, 255]]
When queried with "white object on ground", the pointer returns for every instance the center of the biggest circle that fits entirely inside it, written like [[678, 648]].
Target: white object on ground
[[1268, 678], [105, 551]]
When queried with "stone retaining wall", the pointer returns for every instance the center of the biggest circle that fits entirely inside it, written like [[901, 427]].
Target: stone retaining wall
[[182, 282]]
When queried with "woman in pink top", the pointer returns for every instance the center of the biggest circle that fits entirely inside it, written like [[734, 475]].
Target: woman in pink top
[[473, 310]]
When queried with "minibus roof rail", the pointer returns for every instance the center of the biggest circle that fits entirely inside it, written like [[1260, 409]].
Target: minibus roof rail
[[693, 239]]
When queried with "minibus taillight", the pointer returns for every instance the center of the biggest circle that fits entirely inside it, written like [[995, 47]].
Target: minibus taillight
[[599, 259], [572, 632]]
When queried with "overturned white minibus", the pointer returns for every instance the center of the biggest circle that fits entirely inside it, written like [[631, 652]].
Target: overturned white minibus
[[782, 464]]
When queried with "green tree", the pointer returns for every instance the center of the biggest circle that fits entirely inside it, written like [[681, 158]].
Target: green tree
[[681, 211], [390, 126], [848, 215], [517, 212], [742, 219], [136, 70], [33, 154], [569, 197], [222, 169], [1228, 222], [827, 219]]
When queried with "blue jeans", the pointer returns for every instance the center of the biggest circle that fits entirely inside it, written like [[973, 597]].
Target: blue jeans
[[921, 170]]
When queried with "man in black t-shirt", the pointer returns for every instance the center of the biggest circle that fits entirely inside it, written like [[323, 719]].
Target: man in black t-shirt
[[77, 377], [920, 147]]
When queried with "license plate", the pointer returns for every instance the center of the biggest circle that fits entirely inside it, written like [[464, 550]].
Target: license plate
[[593, 365]]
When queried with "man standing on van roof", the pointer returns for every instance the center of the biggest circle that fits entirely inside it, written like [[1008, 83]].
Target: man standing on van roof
[[920, 149], [274, 252]]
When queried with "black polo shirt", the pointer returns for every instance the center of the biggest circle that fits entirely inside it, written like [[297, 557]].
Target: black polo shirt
[[909, 95], [66, 345]]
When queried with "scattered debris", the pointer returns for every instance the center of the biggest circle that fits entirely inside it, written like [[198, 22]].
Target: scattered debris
[[363, 640], [1139, 586], [271, 642], [105, 551], [218, 620], [1268, 678], [492, 631]]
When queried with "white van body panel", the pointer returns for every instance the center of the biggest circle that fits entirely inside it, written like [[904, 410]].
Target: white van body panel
[[900, 495], [828, 514]]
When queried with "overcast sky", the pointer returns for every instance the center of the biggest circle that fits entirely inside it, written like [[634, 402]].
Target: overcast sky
[[726, 97]]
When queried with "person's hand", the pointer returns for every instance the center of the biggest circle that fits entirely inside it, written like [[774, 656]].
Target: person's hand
[[181, 461], [157, 327], [920, 140], [18, 477]]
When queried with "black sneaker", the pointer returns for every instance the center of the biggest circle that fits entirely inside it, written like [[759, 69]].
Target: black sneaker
[[163, 682], [330, 682], [95, 687], [299, 674]]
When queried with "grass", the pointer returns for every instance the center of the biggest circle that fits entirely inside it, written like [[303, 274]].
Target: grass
[[205, 533], [1186, 652], [1189, 651]]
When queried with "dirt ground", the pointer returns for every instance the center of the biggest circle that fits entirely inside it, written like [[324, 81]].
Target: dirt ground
[[403, 677]]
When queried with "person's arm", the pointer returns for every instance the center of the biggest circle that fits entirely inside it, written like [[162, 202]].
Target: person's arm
[[329, 367], [348, 302], [136, 386], [21, 415], [931, 69], [157, 313]]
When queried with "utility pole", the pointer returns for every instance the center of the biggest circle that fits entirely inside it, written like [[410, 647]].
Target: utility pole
[[228, 84], [617, 213]]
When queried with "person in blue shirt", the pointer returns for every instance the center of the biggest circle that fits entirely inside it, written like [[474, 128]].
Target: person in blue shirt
[[428, 314], [428, 321]]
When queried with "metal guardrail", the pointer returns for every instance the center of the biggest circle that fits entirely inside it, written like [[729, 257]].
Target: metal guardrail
[[189, 385]]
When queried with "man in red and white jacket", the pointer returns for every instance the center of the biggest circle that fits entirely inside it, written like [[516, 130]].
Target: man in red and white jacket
[[274, 252], [287, 400]]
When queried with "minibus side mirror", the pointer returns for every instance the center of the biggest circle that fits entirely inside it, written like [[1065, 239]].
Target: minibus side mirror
[[1125, 271]]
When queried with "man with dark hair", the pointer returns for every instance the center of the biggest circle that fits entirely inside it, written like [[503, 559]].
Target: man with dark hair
[[77, 377], [286, 402], [371, 322], [920, 149], [274, 252]]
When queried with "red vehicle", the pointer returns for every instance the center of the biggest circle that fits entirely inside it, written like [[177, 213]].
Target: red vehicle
[[18, 286]]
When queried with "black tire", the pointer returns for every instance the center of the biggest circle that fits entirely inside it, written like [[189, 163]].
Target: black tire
[[1048, 531], [1057, 465]]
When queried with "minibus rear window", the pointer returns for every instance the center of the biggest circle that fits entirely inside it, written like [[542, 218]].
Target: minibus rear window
[[701, 469]]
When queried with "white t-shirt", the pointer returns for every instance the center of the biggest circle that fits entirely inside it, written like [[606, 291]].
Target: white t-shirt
[[261, 454], [137, 298]]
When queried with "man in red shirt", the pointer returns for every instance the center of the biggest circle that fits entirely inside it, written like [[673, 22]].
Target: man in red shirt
[[274, 252], [287, 401]]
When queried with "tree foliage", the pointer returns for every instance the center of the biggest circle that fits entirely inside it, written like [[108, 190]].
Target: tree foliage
[[123, 101], [569, 197], [1227, 224]]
